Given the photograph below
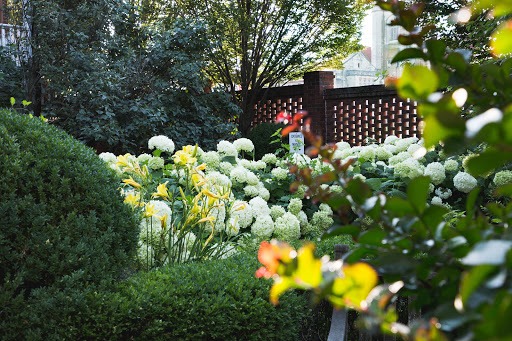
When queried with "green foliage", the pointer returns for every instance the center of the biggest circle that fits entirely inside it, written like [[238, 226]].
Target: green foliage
[[261, 43], [10, 79], [456, 270], [212, 300], [64, 223], [262, 138], [112, 81]]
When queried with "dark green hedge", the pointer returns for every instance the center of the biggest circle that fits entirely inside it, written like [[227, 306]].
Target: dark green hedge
[[260, 136], [63, 221], [214, 300]]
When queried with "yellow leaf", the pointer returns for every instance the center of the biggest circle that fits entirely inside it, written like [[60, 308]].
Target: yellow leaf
[[309, 268], [280, 286], [359, 279]]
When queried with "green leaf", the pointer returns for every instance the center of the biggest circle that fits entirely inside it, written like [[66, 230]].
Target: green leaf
[[374, 183], [457, 61], [434, 131], [337, 201], [490, 252], [358, 190], [473, 279], [505, 190], [399, 206], [409, 53], [409, 87], [487, 161], [337, 230], [436, 49], [372, 237], [417, 192], [12, 101], [230, 159]]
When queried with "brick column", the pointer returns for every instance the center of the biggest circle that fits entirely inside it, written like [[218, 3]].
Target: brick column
[[313, 101]]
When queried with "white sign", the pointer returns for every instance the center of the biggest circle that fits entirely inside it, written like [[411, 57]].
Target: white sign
[[296, 142]]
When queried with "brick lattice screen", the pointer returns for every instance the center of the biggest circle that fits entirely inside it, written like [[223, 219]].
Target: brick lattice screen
[[286, 98], [347, 114]]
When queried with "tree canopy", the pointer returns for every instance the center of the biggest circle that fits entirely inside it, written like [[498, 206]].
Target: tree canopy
[[259, 43]]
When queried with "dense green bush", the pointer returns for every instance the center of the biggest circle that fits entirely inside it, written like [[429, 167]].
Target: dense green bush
[[64, 223], [212, 300], [260, 136]]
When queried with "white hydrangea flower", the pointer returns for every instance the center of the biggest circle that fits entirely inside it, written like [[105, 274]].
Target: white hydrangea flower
[[244, 144], [251, 191], [391, 148], [301, 191], [244, 163], [239, 174], [219, 213], [410, 168], [321, 220], [436, 172], [211, 159], [300, 160], [232, 227], [145, 255], [259, 206], [263, 227], [118, 171], [295, 206], [258, 165], [303, 219], [263, 192], [451, 165], [108, 158], [156, 163], [226, 168], [342, 154], [502, 178], [464, 182], [226, 148], [367, 153], [144, 158], [431, 188], [326, 208], [161, 142], [413, 148], [251, 178], [443, 193], [382, 153], [243, 212], [398, 158], [359, 176], [280, 173], [336, 189], [269, 158], [219, 179], [342, 145], [277, 211], [287, 227], [437, 201], [403, 144], [390, 139]]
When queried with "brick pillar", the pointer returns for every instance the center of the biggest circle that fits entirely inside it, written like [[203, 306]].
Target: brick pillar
[[313, 101]]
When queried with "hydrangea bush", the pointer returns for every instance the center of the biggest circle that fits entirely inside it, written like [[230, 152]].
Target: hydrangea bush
[[195, 204]]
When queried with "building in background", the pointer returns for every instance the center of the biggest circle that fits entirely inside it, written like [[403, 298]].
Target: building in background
[[370, 66]]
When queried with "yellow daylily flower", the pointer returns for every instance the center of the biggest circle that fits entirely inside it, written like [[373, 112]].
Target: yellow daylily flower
[[201, 167], [150, 210], [122, 160], [238, 207], [206, 192], [162, 191], [131, 182], [132, 200], [210, 219], [182, 158], [163, 219]]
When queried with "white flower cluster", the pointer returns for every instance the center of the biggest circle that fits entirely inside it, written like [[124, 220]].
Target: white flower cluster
[[502, 178], [295, 206], [451, 165], [280, 173], [269, 159], [287, 227], [226, 148], [109, 158], [212, 159], [161, 142], [464, 182], [443, 193], [244, 144], [436, 171]]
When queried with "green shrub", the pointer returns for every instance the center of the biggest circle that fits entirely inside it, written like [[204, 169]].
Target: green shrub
[[213, 300], [260, 136], [64, 223]]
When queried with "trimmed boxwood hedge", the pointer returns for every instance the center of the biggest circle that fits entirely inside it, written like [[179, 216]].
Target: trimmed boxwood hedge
[[260, 136], [63, 221]]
